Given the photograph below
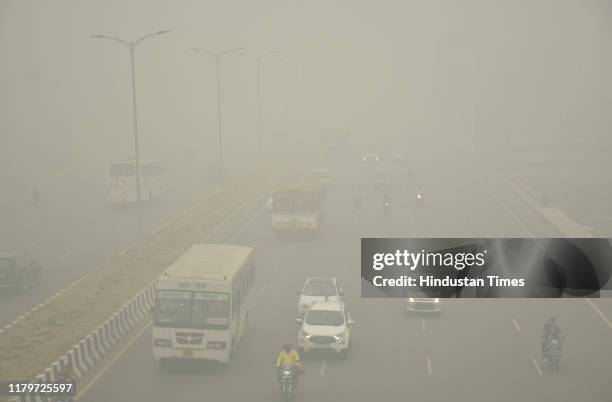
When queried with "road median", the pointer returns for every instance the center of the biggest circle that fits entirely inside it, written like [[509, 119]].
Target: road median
[[119, 292]]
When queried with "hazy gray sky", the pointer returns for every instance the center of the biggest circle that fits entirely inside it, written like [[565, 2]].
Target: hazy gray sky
[[532, 69]]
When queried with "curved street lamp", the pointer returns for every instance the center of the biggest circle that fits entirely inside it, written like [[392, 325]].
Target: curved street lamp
[[131, 46]]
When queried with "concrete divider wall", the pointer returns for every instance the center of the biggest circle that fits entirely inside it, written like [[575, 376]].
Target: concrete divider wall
[[94, 347]]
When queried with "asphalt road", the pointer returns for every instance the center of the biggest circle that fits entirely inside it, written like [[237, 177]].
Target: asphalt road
[[477, 350], [73, 229]]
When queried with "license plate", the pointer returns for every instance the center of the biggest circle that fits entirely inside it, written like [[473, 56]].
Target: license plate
[[187, 353]]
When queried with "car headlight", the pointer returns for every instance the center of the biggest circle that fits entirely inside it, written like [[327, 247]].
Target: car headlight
[[436, 300], [364, 159], [305, 334], [411, 300], [341, 337]]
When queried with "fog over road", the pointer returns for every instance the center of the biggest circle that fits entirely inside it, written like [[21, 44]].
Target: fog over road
[[477, 350], [483, 101], [74, 230]]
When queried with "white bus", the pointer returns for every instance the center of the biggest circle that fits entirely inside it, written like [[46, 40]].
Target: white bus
[[121, 181], [202, 303], [297, 208]]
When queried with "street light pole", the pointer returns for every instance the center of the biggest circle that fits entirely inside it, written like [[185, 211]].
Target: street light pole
[[259, 60], [217, 57], [131, 46], [135, 113], [259, 108], [219, 122]]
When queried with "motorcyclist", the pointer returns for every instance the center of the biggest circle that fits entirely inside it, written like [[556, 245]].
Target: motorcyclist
[[551, 332], [289, 359], [551, 329], [553, 350]]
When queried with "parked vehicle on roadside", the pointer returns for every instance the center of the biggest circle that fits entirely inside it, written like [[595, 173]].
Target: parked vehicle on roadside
[[19, 270]]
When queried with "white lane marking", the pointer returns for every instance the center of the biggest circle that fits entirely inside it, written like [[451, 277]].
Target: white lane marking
[[423, 326], [599, 312], [507, 208], [536, 365], [345, 270], [563, 222], [516, 325], [593, 306], [245, 226], [224, 222], [323, 365], [429, 369], [110, 364], [263, 288]]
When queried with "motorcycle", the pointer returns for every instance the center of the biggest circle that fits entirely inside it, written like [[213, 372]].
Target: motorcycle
[[287, 383], [552, 355]]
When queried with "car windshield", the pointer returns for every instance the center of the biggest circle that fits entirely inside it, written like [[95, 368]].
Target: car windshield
[[319, 288], [325, 317]]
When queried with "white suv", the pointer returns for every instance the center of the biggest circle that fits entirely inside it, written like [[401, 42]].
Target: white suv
[[326, 326], [318, 288]]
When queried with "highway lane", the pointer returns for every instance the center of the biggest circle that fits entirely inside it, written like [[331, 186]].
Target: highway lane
[[478, 350], [74, 230]]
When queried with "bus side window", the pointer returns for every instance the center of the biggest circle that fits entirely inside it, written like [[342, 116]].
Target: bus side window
[[236, 303]]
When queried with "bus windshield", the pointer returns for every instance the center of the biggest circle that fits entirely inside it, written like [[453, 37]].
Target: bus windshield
[[186, 309], [122, 170], [294, 205]]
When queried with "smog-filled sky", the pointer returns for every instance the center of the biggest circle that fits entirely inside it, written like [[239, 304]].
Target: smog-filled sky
[[282, 146], [530, 70]]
